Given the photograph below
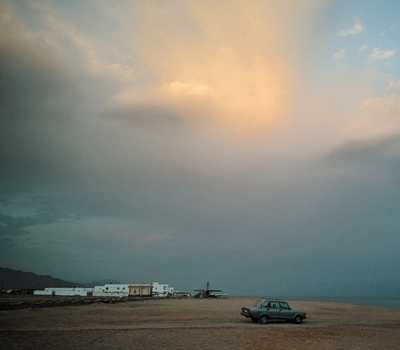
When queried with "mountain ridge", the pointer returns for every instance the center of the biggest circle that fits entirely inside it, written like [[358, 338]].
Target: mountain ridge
[[16, 279]]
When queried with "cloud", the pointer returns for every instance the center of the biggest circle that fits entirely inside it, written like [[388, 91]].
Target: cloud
[[188, 88], [356, 29], [239, 58], [211, 67], [378, 148], [339, 54], [377, 117], [393, 85], [145, 115], [127, 169], [379, 54], [374, 160], [68, 44], [389, 103]]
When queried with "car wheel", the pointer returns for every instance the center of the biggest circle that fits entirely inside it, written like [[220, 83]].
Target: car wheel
[[254, 320], [263, 320], [298, 319]]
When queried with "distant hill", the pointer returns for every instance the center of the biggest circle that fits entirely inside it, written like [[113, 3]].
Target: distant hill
[[14, 279]]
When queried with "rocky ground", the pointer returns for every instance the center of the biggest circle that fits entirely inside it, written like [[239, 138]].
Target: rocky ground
[[196, 324]]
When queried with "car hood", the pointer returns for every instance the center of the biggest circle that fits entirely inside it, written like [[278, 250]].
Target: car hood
[[251, 308]]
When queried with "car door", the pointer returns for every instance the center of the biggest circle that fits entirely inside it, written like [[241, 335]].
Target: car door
[[274, 310], [285, 311]]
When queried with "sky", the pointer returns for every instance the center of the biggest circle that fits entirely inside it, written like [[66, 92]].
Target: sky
[[254, 145]]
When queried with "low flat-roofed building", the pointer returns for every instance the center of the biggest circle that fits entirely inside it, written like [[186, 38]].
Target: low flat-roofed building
[[76, 291], [162, 290], [111, 290], [140, 289]]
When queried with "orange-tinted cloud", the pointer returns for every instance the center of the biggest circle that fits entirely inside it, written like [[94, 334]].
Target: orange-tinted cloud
[[239, 60]]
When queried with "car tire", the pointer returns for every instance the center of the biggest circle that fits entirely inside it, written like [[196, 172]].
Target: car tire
[[263, 320], [298, 319], [254, 320]]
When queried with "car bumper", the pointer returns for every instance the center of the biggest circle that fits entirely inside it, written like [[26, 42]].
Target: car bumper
[[245, 312]]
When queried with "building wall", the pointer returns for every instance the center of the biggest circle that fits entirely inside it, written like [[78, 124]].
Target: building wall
[[162, 290], [111, 290], [64, 291], [41, 292], [143, 290]]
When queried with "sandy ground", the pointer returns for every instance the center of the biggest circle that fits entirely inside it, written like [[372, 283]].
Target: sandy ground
[[196, 324]]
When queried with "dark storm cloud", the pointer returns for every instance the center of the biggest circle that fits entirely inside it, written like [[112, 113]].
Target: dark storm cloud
[[36, 108], [53, 159], [11, 226], [144, 116], [40, 137], [358, 219], [371, 159], [383, 148]]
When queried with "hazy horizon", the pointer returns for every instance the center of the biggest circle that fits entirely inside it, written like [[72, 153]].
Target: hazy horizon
[[255, 145]]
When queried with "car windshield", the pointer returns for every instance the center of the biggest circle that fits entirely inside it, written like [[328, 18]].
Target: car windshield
[[275, 304], [261, 302]]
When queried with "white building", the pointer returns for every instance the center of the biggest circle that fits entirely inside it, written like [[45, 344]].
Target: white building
[[162, 290], [111, 290], [78, 291]]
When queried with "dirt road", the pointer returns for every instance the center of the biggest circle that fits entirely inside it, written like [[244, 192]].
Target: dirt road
[[196, 324]]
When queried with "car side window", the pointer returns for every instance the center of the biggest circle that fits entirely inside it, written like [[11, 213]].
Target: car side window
[[274, 306], [284, 306]]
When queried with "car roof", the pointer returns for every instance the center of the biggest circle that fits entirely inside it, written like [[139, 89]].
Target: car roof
[[275, 299]]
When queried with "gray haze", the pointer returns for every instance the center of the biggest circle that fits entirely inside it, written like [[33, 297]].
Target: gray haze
[[91, 188]]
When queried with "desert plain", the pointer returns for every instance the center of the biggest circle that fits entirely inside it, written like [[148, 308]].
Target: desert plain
[[196, 324]]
